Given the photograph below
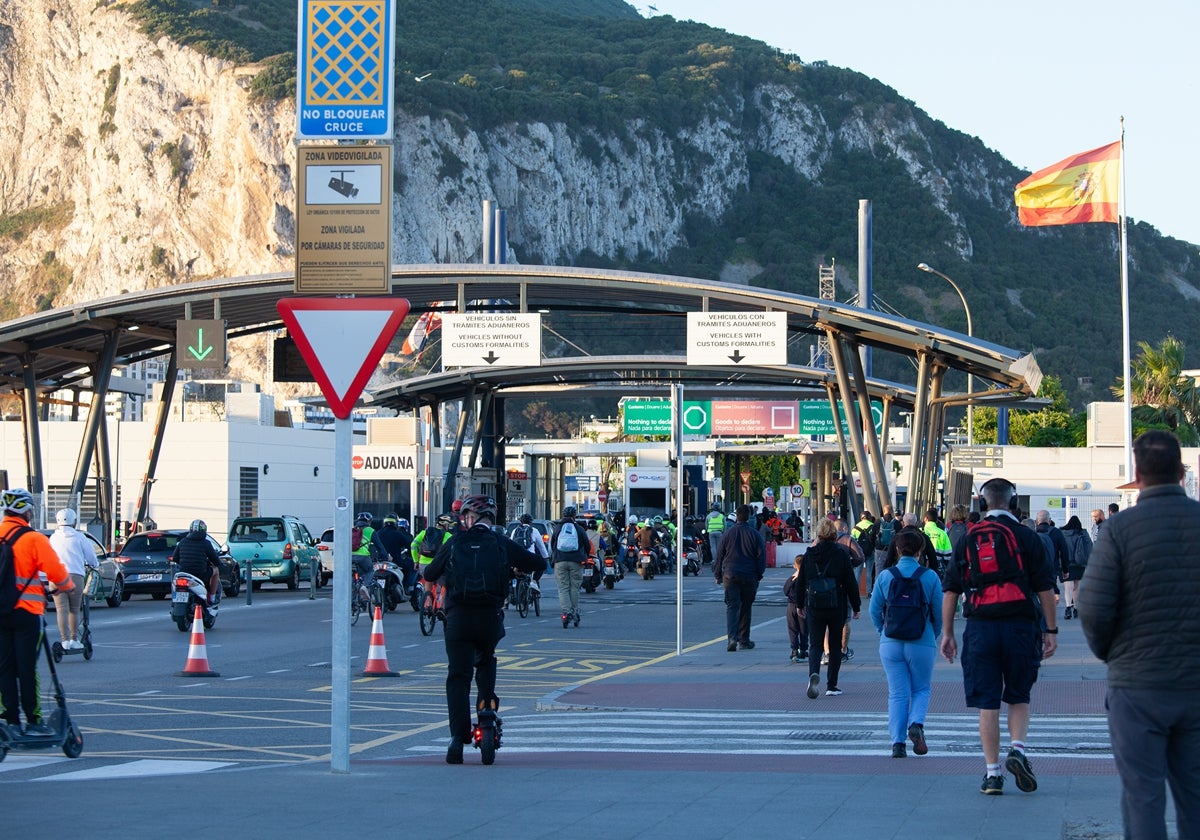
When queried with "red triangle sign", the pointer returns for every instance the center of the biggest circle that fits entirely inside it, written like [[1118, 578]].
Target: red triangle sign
[[342, 340]]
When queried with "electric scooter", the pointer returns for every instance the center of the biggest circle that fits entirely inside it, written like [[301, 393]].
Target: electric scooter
[[64, 734], [85, 633]]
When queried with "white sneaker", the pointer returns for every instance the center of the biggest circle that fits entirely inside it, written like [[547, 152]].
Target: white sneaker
[[71, 644], [533, 584]]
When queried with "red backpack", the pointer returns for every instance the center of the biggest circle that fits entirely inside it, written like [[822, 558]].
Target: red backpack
[[995, 578]]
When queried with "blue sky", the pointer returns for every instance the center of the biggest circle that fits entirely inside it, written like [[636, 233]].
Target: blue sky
[[1035, 80]]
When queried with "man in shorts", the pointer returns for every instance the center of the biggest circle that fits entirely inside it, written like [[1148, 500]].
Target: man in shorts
[[1003, 643]]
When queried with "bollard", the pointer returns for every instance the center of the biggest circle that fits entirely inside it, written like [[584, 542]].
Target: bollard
[[313, 571], [249, 582]]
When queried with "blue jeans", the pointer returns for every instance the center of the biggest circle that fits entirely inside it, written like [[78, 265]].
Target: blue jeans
[[909, 669]]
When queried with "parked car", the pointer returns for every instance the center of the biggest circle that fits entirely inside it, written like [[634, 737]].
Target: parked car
[[280, 549], [325, 547], [146, 561], [111, 583]]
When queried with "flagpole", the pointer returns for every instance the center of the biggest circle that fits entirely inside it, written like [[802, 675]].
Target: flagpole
[[1128, 389]]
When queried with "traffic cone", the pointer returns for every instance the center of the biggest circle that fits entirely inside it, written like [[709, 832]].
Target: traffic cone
[[377, 664], [197, 661]]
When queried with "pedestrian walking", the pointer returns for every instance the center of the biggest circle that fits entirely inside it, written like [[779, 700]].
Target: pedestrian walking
[[739, 565], [1080, 550], [1009, 591], [794, 617], [827, 579], [906, 611], [74, 550], [1139, 605]]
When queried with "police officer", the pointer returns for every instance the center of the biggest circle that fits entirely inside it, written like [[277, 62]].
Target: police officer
[[473, 629]]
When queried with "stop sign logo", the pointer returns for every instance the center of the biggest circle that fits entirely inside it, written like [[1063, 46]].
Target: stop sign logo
[[356, 462]]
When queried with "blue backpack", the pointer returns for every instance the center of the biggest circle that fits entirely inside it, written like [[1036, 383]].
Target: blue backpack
[[905, 610]]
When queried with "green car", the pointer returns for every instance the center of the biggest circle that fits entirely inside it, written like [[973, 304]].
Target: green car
[[279, 548]]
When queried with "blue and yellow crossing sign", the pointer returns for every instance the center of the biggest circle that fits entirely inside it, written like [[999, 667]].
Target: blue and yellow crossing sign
[[345, 54]]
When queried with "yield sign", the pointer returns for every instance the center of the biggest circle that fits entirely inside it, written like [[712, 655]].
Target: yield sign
[[342, 340]]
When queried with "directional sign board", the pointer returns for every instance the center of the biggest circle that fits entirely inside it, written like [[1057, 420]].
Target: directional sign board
[[343, 219], [342, 339], [990, 457], [200, 344], [492, 339], [646, 417], [345, 52], [749, 338]]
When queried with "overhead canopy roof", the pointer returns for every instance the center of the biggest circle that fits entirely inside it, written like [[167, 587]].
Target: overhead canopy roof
[[63, 342]]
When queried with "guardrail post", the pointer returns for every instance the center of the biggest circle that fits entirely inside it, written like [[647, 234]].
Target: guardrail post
[[249, 581]]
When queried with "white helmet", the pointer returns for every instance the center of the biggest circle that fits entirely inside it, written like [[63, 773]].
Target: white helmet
[[66, 516]]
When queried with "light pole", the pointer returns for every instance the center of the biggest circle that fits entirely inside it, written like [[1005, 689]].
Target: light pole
[[970, 332]]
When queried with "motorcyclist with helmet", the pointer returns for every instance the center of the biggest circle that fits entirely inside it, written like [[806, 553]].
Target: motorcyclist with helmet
[[474, 629], [395, 541], [194, 555]]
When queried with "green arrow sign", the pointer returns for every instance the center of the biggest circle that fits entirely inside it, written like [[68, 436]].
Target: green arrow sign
[[200, 344]]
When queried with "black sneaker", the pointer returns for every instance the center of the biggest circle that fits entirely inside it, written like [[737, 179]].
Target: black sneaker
[[1067, 614], [917, 733], [38, 729], [813, 680], [747, 645], [898, 750], [1018, 765], [847, 654], [992, 785], [731, 647], [454, 751]]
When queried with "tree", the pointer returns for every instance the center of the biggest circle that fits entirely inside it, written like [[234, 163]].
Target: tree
[[1054, 425], [1160, 385]]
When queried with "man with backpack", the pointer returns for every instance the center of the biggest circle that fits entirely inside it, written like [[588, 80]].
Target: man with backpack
[[23, 554], [1060, 555], [905, 611], [881, 537], [568, 550], [476, 566], [531, 540], [1001, 570]]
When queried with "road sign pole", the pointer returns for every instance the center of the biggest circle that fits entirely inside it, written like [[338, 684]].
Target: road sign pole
[[677, 434], [339, 723]]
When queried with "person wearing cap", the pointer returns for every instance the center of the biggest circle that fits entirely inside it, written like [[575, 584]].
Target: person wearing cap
[[21, 628], [74, 550], [1139, 604]]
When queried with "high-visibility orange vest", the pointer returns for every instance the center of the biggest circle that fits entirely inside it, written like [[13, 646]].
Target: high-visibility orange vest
[[32, 553]]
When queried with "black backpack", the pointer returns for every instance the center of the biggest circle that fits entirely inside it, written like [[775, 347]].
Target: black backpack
[[1081, 549], [431, 542], [9, 594], [524, 536], [905, 610], [822, 591], [478, 573]]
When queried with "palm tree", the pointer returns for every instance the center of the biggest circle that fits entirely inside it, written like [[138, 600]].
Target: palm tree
[[1160, 384]]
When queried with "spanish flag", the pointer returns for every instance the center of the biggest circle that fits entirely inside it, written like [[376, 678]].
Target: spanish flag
[[1082, 188]]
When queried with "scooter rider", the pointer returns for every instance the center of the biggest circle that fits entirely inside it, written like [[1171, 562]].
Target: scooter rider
[[76, 553], [474, 627], [395, 541], [21, 628], [195, 556]]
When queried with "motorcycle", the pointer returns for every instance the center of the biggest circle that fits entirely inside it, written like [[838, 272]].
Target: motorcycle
[[591, 576], [691, 557], [629, 555], [611, 571], [647, 560], [664, 558], [390, 577], [188, 591]]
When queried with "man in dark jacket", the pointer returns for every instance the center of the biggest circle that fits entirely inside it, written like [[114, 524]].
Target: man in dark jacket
[[739, 565], [1140, 608], [1060, 558], [196, 556]]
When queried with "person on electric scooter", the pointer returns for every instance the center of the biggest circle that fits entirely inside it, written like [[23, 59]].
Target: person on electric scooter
[[21, 627], [77, 555], [195, 556], [474, 613]]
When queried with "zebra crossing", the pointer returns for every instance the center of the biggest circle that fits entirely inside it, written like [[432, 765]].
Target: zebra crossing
[[774, 733]]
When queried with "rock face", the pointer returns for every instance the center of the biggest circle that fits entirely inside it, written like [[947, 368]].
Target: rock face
[[127, 163]]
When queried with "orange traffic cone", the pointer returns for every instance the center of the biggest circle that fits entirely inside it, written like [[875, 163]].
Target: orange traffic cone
[[377, 664], [197, 661]]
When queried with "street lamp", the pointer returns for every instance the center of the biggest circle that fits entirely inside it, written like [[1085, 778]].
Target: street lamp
[[970, 408]]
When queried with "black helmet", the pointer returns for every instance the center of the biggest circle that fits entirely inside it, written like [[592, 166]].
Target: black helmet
[[715, 507], [391, 521], [480, 505], [569, 512], [526, 519], [446, 520], [198, 527]]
